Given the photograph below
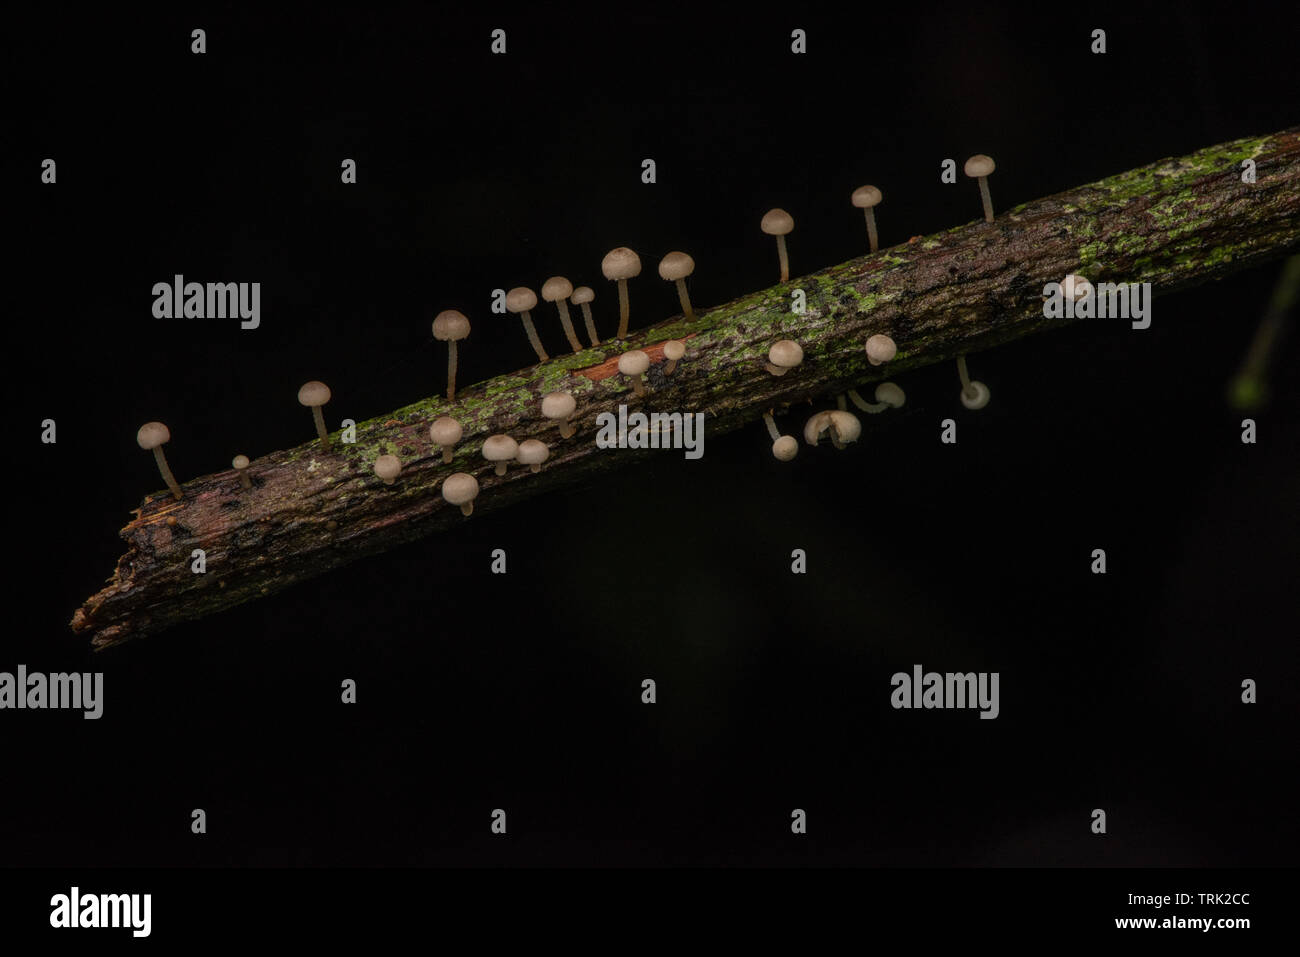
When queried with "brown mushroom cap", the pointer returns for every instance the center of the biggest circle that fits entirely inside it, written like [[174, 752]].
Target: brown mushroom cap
[[500, 448], [676, 266], [521, 299], [785, 448], [785, 354], [450, 325], [674, 349], [314, 394], [388, 467], [557, 287], [239, 462], [460, 488], [634, 362], [864, 197], [558, 405], [583, 294], [776, 222], [845, 426], [445, 431], [532, 452], [152, 435], [979, 165], [620, 263], [880, 348]]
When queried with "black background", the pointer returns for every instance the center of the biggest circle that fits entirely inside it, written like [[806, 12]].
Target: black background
[[523, 692]]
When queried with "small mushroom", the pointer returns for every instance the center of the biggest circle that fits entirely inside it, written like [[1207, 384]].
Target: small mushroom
[[675, 267], [559, 406], [880, 349], [557, 289], [674, 349], [450, 326], [239, 463], [1076, 287], [633, 364], [500, 450], [582, 296], [522, 300], [532, 452], [888, 396], [620, 265], [445, 432], [982, 166], [777, 222], [844, 427], [784, 355], [461, 489], [388, 467], [784, 447], [974, 394], [314, 395], [153, 436], [867, 198]]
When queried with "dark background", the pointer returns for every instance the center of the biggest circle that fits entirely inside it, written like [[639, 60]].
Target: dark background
[[477, 172]]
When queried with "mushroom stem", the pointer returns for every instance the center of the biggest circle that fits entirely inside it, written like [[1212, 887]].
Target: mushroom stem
[[685, 299], [988, 200], [451, 370], [166, 472], [591, 325], [784, 257], [501, 468], [871, 229], [567, 429], [245, 481], [671, 367], [446, 454], [840, 403], [319, 419], [772, 430], [636, 385], [774, 369], [467, 509], [568, 326], [622, 309], [966, 388], [532, 336], [864, 405]]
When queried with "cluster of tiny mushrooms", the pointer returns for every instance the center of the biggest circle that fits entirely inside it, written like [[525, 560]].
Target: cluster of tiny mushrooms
[[618, 266]]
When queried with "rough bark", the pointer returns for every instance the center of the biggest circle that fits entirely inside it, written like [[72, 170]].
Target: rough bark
[[1174, 223]]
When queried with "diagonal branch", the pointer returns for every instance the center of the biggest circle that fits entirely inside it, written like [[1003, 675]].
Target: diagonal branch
[[1174, 223]]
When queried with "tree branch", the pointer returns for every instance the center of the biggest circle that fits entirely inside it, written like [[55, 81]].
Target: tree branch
[[1174, 223]]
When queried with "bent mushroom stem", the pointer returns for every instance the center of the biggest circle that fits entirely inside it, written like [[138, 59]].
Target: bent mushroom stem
[[864, 405], [568, 326], [532, 336], [966, 388], [590, 323], [772, 430]]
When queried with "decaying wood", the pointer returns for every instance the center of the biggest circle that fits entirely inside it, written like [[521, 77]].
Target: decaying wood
[[1174, 223]]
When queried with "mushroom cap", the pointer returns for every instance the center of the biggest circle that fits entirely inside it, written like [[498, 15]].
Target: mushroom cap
[[815, 426], [152, 435], [890, 394], [388, 467], [845, 425], [674, 349], [785, 353], [450, 325], [634, 362], [558, 405], [880, 348], [785, 448], [557, 287], [981, 397], [583, 294], [445, 431], [776, 222], [521, 299], [864, 197], [532, 452], [676, 266], [460, 488], [239, 462], [314, 394], [500, 448], [620, 263], [979, 165], [1075, 287]]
